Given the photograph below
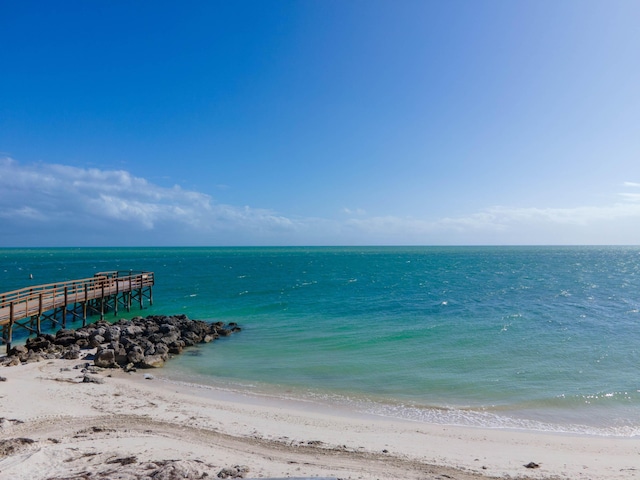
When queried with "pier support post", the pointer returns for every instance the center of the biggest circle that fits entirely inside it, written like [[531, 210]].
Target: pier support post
[[64, 308], [40, 311], [9, 334]]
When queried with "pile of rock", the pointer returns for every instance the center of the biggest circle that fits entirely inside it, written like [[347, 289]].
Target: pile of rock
[[136, 343]]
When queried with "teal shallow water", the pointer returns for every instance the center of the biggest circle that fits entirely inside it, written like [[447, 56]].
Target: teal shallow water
[[524, 337]]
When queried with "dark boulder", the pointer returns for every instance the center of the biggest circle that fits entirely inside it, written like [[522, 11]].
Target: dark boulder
[[95, 340], [65, 340], [152, 361], [135, 354], [18, 351], [105, 358], [140, 342], [72, 353], [39, 343]]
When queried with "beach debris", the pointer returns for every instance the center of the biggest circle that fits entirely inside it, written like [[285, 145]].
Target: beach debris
[[148, 376], [178, 469], [96, 429], [91, 369], [7, 422], [3, 379], [137, 343], [92, 379], [237, 471], [131, 468], [13, 445], [532, 465], [11, 361], [123, 460]]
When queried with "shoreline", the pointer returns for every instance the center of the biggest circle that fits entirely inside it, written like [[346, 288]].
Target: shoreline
[[359, 404], [134, 422]]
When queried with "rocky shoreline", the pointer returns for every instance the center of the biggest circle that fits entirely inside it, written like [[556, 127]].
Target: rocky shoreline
[[58, 424], [128, 344]]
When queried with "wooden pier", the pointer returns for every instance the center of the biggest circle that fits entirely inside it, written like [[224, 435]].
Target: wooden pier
[[76, 299]]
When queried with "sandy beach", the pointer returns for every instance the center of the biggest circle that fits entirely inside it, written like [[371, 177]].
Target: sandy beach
[[57, 425]]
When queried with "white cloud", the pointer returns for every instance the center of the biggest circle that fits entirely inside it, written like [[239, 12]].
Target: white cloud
[[617, 223], [43, 195], [354, 211], [45, 204], [559, 216], [634, 197]]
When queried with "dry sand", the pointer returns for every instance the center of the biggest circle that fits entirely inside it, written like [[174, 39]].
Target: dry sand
[[54, 425]]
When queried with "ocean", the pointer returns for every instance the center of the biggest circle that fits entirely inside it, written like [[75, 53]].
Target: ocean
[[532, 338]]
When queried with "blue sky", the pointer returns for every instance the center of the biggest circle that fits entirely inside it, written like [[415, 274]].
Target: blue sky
[[319, 122]]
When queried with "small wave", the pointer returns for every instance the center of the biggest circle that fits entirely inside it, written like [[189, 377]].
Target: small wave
[[305, 284], [481, 418], [492, 417]]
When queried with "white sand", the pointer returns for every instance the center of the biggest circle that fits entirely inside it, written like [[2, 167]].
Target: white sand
[[129, 427]]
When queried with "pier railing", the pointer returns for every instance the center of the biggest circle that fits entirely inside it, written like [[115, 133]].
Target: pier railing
[[26, 307]]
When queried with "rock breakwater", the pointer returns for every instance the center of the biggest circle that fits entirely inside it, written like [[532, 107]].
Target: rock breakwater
[[137, 343]]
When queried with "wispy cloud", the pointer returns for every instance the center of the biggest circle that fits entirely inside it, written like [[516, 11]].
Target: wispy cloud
[[616, 223], [504, 216], [633, 196], [50, 204], [354, 211], [49, 195]]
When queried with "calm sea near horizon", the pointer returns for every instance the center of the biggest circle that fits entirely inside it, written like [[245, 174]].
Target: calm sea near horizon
[[541, 338]]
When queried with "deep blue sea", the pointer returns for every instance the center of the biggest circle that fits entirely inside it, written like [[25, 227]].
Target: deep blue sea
[[541, 338]]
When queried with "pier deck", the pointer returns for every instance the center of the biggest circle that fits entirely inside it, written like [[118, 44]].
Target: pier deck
[[28, 307]]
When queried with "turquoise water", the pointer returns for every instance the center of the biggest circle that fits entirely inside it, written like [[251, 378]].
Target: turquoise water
[[544, 338]]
